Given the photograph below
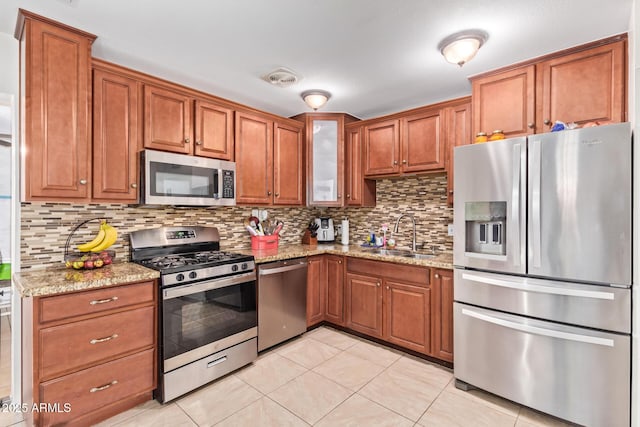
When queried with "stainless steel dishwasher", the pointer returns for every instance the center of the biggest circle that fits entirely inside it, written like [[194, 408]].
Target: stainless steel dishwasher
[[282, 301]]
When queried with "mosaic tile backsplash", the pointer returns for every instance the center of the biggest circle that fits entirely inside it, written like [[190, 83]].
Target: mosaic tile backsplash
[[46, 226]]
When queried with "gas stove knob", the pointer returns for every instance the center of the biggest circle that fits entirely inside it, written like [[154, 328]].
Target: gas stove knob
[[193, 275], [180, 277], [244, 266], [234, 267]]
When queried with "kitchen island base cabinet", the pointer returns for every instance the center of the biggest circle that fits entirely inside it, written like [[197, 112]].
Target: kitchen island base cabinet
[[100, 358]]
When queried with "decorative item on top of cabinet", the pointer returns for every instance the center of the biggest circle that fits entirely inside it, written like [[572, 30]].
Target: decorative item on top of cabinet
[[442, 312], [117, 134], [359, 191], [55, 95], [100, 358], [324, 135], [581, 84], [270, 171]]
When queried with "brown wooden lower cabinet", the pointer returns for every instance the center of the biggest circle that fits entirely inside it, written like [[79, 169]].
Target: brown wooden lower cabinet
[[442, 311], [364, 304], [99, 358], [407, 316], [316, 285], [334, 307]]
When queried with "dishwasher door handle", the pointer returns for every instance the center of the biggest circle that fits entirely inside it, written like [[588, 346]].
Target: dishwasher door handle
[[268, 271]]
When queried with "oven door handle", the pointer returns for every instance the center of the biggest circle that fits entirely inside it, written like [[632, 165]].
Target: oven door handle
[[207, 285]]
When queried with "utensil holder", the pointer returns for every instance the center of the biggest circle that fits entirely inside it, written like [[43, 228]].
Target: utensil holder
[[264, 242]]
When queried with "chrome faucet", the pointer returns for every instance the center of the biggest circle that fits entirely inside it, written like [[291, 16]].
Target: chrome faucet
[[413, 220]]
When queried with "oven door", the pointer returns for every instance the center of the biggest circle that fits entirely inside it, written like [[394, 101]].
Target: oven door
[[201, 318], [178, 179]]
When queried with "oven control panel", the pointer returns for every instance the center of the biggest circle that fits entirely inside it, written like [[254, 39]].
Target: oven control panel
[[180, 234]]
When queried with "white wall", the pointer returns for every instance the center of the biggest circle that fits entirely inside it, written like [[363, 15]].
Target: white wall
[[9, 85]]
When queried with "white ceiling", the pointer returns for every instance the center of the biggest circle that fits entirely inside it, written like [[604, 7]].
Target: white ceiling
[[374, 56]]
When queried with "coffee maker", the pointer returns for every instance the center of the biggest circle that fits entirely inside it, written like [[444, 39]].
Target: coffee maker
[[326, 231]]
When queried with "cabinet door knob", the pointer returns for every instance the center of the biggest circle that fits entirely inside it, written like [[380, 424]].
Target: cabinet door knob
[[268, 193], [547, 122], [531, 125], [437, 276], [378, 284], [83, 182], [395, 162], [450, 191], [339, 196], [387, 288], [277, 194], [340, 262], [134, 185], [348, 196], [186, 141], [404, 162], [198, 142]]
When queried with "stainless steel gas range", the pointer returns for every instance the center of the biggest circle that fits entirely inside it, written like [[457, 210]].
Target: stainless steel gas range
[[207, 318]]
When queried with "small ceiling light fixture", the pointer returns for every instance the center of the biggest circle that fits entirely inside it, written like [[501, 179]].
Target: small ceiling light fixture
[[315, 98], [461, 47]]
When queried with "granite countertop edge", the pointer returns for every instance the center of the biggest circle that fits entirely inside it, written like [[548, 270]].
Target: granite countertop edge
[[54, 280], [442, 260]]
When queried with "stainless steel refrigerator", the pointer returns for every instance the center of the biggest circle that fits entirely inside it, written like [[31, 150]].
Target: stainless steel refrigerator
[[543, 268]]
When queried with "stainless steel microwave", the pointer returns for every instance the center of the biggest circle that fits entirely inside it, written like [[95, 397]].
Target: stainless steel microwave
[[183, 180]]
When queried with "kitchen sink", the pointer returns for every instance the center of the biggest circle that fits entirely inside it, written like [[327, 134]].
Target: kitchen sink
[[398, 252]]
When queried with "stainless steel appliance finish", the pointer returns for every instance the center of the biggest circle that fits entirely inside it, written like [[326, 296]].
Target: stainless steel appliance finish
[[579, 374], [180, 179], [326, 230], [208, 321], [547, 323], [282, 301], [207, 369]]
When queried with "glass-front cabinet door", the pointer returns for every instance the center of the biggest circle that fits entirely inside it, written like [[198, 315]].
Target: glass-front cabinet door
[[325, 139]]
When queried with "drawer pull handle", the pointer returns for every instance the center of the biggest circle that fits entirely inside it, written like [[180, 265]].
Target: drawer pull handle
[[99, 340], [102, 301], [103, 387], [217, 361]]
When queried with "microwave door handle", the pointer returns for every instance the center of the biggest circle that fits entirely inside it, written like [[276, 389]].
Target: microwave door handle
[[218, 190]]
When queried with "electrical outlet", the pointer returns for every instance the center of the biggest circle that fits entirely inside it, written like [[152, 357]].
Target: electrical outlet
[[339, 229], [450, 229]]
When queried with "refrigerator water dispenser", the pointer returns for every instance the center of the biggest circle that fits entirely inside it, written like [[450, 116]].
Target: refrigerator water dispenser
[[486, 227]]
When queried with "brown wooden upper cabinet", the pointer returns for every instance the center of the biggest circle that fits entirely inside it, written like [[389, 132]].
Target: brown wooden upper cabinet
[[458, 133], [268, 171], [56, 71], [358, 191], [580, 85], [176, 121], [117, 134], [412, 143]]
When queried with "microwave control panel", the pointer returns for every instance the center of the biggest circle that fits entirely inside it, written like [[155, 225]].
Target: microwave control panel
[[227, 184]]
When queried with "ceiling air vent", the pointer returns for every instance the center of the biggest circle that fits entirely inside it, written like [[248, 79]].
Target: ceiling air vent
[[282, 77]]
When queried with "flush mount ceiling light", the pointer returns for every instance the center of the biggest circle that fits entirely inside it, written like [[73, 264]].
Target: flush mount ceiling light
[[460, 48], [315, 98]]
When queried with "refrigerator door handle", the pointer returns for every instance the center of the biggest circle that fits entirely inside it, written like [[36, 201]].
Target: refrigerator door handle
[[535, 177], [530, 287], [515, 205], [537, 330]]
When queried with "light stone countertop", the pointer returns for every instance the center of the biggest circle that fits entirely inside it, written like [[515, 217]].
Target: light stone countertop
[[442, 260], [51, 281]]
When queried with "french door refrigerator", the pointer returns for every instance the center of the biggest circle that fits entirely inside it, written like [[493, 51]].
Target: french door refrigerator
[[543, 268]]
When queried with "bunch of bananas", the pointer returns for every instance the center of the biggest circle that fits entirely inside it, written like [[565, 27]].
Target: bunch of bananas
[[106, 237]]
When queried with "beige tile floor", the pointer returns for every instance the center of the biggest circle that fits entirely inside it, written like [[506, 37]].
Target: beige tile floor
[[329, 378]]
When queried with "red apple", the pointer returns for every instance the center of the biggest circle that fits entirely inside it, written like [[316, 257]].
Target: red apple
[[107, 261], [88, 265]]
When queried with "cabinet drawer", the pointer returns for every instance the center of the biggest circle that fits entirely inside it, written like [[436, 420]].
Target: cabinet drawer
[[88, 302], [388, 270], [97, 387], [75, 345]]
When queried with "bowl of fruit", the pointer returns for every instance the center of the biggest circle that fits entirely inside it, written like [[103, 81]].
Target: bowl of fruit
[[94, 253], [89, 261]]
